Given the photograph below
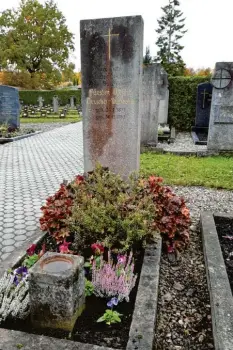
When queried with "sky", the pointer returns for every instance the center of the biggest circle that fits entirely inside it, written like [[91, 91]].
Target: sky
[[209, 25]]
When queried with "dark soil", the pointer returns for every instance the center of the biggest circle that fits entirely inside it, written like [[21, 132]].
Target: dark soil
[[87, 330], [17, 132], [224, 228]]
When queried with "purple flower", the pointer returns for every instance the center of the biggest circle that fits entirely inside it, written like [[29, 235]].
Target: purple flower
[[121, 259], [112, 302], [22, 270], [20, 274]]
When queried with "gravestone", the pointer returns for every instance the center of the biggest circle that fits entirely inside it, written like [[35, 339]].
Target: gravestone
[[163, 98], [72, 105], [111, 60], [220, 137], [55, 104], [9, 106], [40, 101], [203, 105], [154, 87]]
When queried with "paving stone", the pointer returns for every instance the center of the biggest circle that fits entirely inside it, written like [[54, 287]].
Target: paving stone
[[6, 242], [32, 170]]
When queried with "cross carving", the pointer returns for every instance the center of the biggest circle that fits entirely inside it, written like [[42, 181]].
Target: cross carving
[[109, 35]]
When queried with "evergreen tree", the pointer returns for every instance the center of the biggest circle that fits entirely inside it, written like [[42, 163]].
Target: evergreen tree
[[147, 59], [171, 30]]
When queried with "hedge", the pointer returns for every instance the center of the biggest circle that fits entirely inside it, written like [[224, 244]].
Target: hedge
[[182, 101], [31, 96]]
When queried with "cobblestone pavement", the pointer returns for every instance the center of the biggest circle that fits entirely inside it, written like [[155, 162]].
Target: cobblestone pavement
[[30, 170]]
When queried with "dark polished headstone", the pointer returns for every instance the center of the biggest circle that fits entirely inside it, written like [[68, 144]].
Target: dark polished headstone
[[111, 60], [203, 104], [9, 106]]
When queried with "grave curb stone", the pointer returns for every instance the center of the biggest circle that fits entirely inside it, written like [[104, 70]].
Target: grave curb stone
[[221, 298], [17, 138]]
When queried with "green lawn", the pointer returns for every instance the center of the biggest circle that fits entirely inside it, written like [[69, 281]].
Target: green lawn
[[68, 118], [197, 171]]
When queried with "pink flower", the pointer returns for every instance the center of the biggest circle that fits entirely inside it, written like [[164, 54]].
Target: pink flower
[[97, 248], [31, 250], [121, 259], [64, 247]]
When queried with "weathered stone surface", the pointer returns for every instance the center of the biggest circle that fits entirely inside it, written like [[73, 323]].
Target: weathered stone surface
[[72, 104], [219, 288], [163, 98], [141, 335], [221, 116], [13, 340], [150, 104], [57, 291], [111, 59], [203, 104], [9, 106], [40, 101]]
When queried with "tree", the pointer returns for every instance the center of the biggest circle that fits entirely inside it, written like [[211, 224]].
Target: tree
[[147, 59], [203, 72], [68, 73], [35, 38], [171, 30]]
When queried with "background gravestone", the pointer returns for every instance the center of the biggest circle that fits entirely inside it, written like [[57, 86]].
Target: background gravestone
[[55, 104], [163, 97], [203, 104], [40, 101], [111, 60], [220, 135], [72, 105], [9, 106], [150, 103]]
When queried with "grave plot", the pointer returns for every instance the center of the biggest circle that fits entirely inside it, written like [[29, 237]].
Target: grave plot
[[217, 233]]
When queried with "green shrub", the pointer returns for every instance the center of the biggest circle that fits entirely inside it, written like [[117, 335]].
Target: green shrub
[[182, 101], [31, 96], [102, 207]]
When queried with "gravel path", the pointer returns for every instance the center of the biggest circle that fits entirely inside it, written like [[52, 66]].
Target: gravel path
[[184, 317], [183, 142]]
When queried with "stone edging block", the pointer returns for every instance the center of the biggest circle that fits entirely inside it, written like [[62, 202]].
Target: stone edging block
[[141, 335], [221, 298], [17, 138]]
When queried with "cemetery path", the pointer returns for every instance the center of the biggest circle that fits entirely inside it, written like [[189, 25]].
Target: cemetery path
[[30, 170]]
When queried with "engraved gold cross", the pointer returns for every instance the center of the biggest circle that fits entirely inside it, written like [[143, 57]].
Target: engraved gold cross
[[109, 35]]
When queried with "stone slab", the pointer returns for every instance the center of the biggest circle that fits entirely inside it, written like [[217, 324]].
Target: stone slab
[[221, 298], [221, 116], [111, 61], [9, 106]]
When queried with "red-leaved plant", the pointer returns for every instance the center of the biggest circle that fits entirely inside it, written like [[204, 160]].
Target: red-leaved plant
[[172, 217], [57, 210]]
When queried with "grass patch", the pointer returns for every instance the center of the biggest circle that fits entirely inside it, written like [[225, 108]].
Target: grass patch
[[69, 118], [214, 172]]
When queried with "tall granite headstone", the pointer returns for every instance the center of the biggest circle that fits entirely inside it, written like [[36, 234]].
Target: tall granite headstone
[[154, 86], [220, 135], [9, 106], [203, 104], [111, 60]]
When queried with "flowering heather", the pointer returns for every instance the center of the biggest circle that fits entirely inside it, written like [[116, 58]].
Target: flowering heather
[[114, 280]]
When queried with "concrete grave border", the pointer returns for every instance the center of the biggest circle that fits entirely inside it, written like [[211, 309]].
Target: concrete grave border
[[221, 298], [4, 140], [141, 334]]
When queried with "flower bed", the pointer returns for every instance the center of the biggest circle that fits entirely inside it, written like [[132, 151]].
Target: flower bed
[[9, 135], [110, 223]]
